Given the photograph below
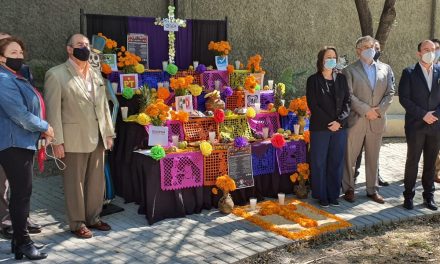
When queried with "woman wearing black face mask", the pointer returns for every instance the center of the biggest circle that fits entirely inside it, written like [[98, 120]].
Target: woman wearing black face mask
[[22, 124]]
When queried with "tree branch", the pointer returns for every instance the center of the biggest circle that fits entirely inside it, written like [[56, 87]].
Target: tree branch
[[386, 22], [365, 18]]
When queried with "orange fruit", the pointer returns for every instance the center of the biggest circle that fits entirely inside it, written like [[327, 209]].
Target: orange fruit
[[270, 106]]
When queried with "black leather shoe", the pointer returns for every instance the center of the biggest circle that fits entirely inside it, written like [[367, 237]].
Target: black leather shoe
[[408, 204], [32, 227], [430, 204], [7, 232], [30, 251], [382, 182]]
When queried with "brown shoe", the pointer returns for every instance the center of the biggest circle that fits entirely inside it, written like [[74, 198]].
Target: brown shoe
[[349, 196], [102, 226], [83, 232], [376, 197]]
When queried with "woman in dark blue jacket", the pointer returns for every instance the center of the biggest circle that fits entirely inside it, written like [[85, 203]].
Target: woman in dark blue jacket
[[22, 125], [328, 98]]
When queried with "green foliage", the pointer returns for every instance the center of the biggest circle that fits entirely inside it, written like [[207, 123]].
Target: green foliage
[[290, 78]]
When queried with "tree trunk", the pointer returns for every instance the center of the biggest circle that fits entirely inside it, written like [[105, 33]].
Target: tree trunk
[[386, 22], [365, 18]]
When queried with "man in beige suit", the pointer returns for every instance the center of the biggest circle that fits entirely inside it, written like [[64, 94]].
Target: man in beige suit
[[77, 107], [372, 88]]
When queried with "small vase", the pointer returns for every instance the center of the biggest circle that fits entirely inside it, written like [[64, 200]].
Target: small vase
[[301, 191], [302, 124], [226, 204]]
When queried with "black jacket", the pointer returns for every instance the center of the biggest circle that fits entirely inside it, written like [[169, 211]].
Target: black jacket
[[417, 100], [326, 108]]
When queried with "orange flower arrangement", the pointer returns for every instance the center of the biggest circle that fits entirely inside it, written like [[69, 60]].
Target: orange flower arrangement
[[127, 61], [110, 45], [106, 69], [158, 112], [282, 110], [221, 47], [299, 106], [163, 93], [302, 175], [180, 85], [250, 83], [254, 64], [230, 69], [225, 183], [180, 116]]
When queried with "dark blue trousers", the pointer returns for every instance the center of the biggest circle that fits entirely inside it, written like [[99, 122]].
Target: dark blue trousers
[[327, 153]]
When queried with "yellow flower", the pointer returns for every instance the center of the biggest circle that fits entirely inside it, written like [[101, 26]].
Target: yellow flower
[[251, 112], [143, 119], [139, 68], [294, 177], [205, 148], [195, 89]]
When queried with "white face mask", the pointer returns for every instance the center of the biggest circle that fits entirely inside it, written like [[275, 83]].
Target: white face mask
[[428, 57]]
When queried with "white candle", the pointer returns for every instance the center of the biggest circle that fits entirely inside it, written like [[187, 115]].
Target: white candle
[[257, 107], [237, 64], [195, 64], [160, 84], [253, 203], [281, 197], [175, 139], [124, 112], [270, 83], [212, 137], [296, 129], [265, 132], [164, 65]]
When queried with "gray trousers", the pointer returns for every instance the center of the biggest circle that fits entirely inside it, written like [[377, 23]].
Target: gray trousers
[[361, 135]]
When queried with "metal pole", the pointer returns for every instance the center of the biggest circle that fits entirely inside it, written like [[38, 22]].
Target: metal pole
[[81, 21], [433, 18], [226, 30]]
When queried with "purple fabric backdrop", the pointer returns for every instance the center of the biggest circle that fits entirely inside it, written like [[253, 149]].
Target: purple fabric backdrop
[[158, 42]]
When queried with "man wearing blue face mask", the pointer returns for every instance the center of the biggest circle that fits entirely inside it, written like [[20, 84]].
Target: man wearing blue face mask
[[419, 94], [371, 92]]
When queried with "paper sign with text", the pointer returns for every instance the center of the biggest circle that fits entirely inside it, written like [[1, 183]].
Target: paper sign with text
[[157, 135], [128, 81]]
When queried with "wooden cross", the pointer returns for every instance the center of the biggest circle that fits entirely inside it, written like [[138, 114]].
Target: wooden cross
[[171, 24]]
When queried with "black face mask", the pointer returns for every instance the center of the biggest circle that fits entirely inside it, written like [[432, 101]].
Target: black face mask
[[81, 54], [14, 63], [377, 55]]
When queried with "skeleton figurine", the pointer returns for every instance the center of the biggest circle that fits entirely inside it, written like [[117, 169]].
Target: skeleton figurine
[[213, 101]]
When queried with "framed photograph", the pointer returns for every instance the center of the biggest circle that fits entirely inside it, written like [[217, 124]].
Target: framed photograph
[[184, 103], [111, 60]]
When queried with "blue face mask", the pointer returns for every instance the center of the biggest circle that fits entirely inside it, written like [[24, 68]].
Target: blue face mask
[[330, 64], [368, 54], [437, 55]]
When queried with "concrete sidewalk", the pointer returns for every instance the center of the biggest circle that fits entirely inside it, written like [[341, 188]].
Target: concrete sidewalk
[[209, 237]]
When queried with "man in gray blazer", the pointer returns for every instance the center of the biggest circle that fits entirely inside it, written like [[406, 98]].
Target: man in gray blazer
[[371, 87]]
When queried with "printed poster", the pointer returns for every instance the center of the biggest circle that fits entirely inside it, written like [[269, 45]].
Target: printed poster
[[137, 43]]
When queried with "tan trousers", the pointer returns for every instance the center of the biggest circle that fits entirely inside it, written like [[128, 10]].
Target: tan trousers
[[84, 186], [358, 135]]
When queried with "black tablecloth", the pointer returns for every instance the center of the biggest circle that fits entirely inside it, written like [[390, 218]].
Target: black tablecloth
[[136, 178]]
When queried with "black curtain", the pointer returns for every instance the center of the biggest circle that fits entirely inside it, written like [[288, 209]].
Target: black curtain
[[205, 31], [114, 27]]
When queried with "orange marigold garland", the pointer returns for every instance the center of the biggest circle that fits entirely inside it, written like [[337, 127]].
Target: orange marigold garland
[[180, 84], [307, 136]]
